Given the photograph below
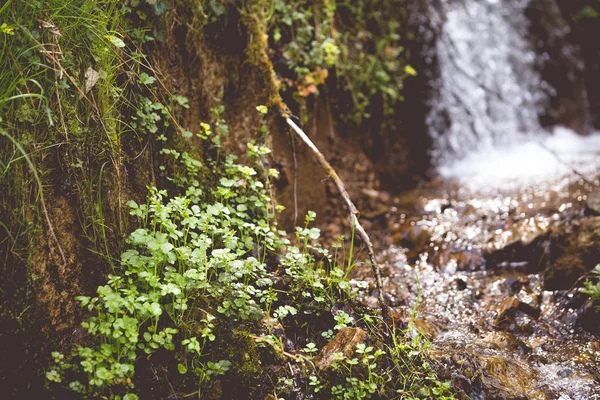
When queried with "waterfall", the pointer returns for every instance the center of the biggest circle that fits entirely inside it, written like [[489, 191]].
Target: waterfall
[[489, 92], [486, 97]]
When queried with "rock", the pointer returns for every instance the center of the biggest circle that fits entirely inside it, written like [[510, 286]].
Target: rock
[[416, 237], [574, 250], [529, 304], [561, 67], [426, 328], [592, 202], [506, 312], [510, 306], [468, 260], [590, 318], [372, 193], [584, 29], [565, 373], [461, 384], [527, 253], [460, 284], [344, 342], [458, 259]]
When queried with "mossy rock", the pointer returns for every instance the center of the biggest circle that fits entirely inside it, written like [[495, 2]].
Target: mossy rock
[[575, 250], [246, 373]]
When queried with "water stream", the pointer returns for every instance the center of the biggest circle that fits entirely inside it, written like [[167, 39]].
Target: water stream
[[468, 251]]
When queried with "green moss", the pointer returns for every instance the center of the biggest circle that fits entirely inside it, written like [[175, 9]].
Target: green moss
[[253, 19], [245, 358]]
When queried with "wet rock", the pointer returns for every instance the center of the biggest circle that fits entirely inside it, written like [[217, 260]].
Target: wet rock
[[506, 312], [584, 29], [520, 253], [564, 272], [481, 376], [415, 238], [529, 303], [574, 250], [528, 309], [514, 285], [528, 330], [590, 318], [593, 202], [576, 301], [460, 284], [561, 66], [565, 373], [461, 384], [468, 260], [344, 342], [427, 328]]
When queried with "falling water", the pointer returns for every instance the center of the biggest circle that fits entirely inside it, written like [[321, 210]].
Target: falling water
[[484, 110], [489, 90], [465, 245]]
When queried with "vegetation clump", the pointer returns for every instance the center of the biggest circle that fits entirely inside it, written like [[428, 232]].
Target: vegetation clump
[[205, 283], [204, 261], [361, 44]]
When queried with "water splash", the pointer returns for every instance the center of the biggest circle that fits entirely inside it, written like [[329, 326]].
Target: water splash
[[548, 158]]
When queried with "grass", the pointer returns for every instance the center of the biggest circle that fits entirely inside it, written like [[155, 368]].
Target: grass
[[58, 140], [43, 59]]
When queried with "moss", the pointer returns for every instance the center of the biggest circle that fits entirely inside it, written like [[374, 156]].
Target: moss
[[253, 19], [245, 358]]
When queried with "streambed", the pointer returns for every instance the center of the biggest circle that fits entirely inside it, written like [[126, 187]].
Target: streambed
[[473, 263]]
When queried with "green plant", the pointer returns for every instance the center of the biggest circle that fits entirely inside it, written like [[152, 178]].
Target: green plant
[[362, 375], [205, 257], [204, 249], [593, 289], [362, 42]]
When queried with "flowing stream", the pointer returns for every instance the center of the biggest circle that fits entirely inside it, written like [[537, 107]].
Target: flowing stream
[[469, 251]]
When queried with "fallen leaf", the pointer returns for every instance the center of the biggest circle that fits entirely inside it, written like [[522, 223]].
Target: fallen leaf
[[91, 78], [50, 27]]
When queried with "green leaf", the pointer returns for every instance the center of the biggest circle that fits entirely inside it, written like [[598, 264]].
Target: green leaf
[[166, 247], [182, 369], [262, 109], [408, 70], [155, 309], [118, 42], [104, 374], [182, 100], [146, 79]]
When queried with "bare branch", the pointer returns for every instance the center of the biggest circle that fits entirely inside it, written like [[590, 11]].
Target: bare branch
[[354, 213]]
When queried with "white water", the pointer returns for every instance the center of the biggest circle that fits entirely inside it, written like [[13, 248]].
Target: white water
[[544, 158], [484, 118], [489, 89]]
